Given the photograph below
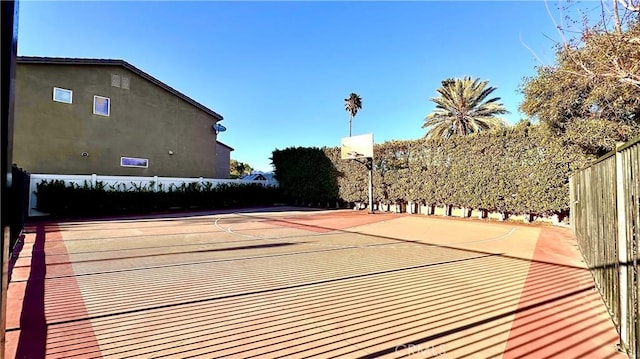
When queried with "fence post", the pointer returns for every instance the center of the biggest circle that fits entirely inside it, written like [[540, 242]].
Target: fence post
[[156, 185], [622, 249], [572, 203], [94, 180]]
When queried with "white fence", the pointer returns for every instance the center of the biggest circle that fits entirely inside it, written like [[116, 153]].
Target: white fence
[[126, 183]]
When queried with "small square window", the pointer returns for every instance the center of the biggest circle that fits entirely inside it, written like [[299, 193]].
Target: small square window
[[62, 95], [101, 105]]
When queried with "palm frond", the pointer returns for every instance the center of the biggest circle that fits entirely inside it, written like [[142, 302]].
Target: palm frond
[[353, 104], [462, 108]]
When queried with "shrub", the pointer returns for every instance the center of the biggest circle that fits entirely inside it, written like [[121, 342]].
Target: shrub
[[71, 200], [521, 169]]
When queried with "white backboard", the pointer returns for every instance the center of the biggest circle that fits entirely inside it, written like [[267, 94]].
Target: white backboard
[[357, 147]]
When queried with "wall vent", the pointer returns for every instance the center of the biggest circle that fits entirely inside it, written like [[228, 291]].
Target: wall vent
[[115, 80]]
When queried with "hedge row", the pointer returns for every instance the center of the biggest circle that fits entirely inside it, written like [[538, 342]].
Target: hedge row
[[521, 169], [305, 175], [71, 200]]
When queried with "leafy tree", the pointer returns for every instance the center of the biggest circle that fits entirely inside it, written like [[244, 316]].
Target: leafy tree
[[616, 36], [463, 108], [239, 169], [352, 104], [591, 96]]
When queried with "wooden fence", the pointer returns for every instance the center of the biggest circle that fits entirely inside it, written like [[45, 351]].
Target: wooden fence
[[605, 210]]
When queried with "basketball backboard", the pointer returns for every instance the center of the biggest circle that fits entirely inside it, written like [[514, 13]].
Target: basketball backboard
[[355, 147]]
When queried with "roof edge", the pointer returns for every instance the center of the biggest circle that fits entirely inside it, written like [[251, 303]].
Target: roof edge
[[227, 146], [116, 62]]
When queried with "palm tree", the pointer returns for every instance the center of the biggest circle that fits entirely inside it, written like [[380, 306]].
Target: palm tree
[[462, 108], [352, 104]]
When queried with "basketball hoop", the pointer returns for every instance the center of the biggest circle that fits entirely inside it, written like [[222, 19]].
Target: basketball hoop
[[360, 149], [354, 155]]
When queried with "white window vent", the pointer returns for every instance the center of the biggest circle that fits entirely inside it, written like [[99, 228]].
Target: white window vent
[[115, 80], [125, 82]]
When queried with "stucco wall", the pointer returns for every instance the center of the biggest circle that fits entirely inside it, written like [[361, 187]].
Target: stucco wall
[[145, 121], [223, 161]]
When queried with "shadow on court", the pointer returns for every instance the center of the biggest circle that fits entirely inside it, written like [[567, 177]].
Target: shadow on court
[[303, 284]]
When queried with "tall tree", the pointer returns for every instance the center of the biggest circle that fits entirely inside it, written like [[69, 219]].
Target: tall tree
[[617, 37], [352, 104], [239, 169], [463, 108], [591, 95]]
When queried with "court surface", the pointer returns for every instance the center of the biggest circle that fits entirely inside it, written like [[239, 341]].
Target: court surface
[[293, 283]]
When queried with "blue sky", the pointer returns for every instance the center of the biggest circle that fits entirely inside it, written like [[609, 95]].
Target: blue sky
[[279, 71]]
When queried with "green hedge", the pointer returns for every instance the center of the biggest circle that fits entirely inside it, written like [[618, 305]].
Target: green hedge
[[60, 200], [306, 175], [521, 169]]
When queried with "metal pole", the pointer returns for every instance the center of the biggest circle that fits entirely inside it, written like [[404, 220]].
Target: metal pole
[[622, 248], [370, 167]]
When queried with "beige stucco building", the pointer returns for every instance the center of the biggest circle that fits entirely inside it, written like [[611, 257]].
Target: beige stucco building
[[85, 116], [223, 160]]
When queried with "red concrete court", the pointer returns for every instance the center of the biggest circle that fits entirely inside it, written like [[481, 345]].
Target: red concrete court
[[302, 284]]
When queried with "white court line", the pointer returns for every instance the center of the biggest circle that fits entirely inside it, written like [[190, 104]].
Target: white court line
[[228, 230], [381, 245]]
